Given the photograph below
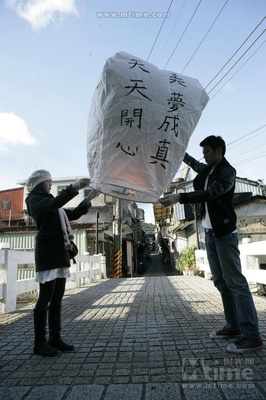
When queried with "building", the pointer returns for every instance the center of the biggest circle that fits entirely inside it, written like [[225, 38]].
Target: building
[[11, 209], [180, 226], [93, 232]]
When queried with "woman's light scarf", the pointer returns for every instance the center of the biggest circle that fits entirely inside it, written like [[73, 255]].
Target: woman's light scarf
[[66, 229]]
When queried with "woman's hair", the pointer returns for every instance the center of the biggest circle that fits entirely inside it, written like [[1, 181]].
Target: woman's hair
[[214, 142]]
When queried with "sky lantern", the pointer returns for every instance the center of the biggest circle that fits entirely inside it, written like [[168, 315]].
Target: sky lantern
[[140, 122]]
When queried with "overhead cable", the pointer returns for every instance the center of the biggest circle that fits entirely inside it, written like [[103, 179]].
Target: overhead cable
[[252, 44], [205, 36], [238, 70], [251, 159], [159, 30], [242, 137], [235, 53], [228, 37], [250, 133], [170, 34], [183, 33], [248, 151]]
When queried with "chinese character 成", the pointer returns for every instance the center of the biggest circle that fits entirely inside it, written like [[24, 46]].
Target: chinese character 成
[[166, 124]]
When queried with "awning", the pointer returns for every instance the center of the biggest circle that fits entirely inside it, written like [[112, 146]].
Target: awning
[[180, 226]]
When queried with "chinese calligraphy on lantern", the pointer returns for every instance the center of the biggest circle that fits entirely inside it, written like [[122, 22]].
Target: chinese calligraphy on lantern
[[133, 118]]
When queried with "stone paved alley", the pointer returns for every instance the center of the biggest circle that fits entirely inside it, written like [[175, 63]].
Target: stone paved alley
[[144, 338]]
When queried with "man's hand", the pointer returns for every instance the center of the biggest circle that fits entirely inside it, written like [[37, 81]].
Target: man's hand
[[81, 184], [169, 199]]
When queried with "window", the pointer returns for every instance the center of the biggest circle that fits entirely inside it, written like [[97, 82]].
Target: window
[[5, 205], [86, 192]]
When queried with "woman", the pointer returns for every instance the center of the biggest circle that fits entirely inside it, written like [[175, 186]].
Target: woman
[[52, 259]]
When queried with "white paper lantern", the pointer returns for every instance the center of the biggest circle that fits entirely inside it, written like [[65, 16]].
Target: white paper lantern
[[140, 122]]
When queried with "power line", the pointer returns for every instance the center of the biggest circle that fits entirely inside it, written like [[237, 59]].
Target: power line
[[250, 133], [236, 62], [238, 70], [242, 137], [248, 151], [228, 37], [183, 33], [205, 36], [159, 30], [246, 140], [173, 29], [235, 53], [252, 158]]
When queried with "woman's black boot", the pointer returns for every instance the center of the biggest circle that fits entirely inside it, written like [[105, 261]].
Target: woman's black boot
[[41, 346], [54, 320]]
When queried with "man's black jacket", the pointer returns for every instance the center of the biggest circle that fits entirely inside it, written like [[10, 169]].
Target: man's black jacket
[[218, 194]]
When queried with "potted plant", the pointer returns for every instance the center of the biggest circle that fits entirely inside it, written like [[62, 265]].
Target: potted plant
[[186, 261]]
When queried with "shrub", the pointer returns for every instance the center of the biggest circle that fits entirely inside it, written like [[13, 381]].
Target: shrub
[[186, 261]]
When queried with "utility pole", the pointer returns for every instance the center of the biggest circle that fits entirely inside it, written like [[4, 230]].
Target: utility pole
[[117, 240]]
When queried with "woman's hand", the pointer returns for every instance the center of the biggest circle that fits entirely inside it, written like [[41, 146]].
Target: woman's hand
[[81, 184]]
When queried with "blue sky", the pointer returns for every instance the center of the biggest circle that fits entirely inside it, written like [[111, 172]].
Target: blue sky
[[52, 54]]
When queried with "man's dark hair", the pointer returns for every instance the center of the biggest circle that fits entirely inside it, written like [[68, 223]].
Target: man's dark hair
[[214, 142]]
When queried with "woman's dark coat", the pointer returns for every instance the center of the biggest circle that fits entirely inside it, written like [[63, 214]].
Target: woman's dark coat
[[50, 252]]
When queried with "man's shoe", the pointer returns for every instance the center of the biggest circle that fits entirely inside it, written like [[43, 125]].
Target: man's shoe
[[225, 333], [245, 344]]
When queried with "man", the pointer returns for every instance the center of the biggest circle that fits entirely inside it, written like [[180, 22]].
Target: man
[[214, 189]]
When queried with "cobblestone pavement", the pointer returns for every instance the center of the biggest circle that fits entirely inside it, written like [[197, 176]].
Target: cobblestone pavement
[[144, 338]]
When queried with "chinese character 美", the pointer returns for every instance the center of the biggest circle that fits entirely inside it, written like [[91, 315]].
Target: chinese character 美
[[138, 63], [161, 153], [136, 87], [176, 101], [166, 124], [174, 78], [127, 150], [137, 113]]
